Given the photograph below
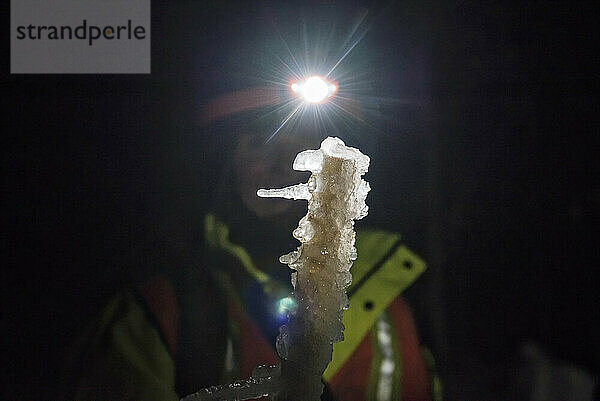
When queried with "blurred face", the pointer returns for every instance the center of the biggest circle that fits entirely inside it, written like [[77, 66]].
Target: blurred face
[[260, 165]]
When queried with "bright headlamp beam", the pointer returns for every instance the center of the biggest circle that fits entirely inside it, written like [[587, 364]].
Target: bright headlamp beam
[[314, 89]]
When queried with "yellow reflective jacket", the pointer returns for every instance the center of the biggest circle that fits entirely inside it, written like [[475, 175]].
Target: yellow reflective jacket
[[125, 355]]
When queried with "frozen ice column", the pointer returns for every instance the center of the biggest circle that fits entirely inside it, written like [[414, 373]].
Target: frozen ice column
[[336, 197]]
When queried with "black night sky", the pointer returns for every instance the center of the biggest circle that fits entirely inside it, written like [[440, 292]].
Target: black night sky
[[489, 172]]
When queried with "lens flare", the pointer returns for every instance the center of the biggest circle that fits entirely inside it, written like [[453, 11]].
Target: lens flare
[[318, 84], [315, 89]]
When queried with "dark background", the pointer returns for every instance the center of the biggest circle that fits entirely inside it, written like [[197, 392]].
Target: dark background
[[489, 172]]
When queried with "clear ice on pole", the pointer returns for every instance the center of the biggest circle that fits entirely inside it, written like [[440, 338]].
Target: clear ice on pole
[[336, 196]]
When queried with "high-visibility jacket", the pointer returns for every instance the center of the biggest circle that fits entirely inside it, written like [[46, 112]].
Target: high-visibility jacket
[[129, 351]]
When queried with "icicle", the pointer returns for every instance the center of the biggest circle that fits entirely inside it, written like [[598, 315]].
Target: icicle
[[336, 196]]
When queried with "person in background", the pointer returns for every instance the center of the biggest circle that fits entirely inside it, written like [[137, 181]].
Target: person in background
[[182, 329]]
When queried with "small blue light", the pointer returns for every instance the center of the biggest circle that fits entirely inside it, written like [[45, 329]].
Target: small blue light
[[285, 305]]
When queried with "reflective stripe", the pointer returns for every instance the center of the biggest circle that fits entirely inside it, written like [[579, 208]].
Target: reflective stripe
[[386, 369], [373, 296], [229, 358], [385, 377], [231, 362]]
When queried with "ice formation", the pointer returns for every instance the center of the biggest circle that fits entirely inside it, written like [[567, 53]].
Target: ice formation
[[336, 197], [264, 382], [321, 265]]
